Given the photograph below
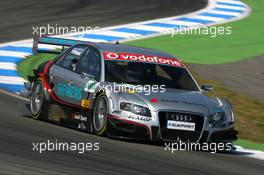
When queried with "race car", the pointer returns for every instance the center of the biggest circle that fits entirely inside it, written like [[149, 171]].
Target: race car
[[126, 92]]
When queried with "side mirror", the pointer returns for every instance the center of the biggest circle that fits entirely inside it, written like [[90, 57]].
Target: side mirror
[[207, 87], [85, 75]]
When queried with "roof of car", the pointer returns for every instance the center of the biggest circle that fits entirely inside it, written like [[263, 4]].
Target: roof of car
[[121, 48]]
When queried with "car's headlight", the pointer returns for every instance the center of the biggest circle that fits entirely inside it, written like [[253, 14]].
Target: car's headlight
[[136, 109], [217, 118]]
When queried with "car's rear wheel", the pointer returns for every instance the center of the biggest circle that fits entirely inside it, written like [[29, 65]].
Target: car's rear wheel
[[100, 115], [39, 104]]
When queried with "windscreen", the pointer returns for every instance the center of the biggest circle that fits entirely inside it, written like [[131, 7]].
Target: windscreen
[[139, 73]]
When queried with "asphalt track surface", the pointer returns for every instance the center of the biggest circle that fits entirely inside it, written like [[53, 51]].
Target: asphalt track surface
[[245, 76], [18, 17], [18, 133]]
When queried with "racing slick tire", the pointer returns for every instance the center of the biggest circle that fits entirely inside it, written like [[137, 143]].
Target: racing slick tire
[[100, 113], [39, 104]]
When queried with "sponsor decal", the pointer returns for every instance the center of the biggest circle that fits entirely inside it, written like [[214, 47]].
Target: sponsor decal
[[91, 86], [191, 103], [131, 91], [64, 90], [111, 55], [142, 58], [86, 104], [169, 101], [171, 124], [185, 102], [118, 112], [146, 119], [79, 117]]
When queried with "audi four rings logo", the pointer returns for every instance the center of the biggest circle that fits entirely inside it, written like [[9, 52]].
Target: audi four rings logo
[[181, 117]]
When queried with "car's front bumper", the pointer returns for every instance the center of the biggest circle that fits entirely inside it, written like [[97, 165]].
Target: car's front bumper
[[123, 128]]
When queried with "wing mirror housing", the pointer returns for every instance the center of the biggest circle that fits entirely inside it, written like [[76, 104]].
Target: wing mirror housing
[[207, 87], [85, 75]]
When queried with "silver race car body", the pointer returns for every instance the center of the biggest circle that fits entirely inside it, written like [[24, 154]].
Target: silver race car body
[[127, 92]]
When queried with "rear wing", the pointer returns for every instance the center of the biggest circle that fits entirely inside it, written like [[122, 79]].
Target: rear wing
[[50, 43]]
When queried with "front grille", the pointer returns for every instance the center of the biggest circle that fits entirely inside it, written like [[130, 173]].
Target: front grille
[[176, 134]]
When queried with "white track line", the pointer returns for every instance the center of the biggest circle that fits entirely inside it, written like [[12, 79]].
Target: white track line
[[118, 34], [80, 39], [182, 23], [150, 28], [8, 66], [231, 7], [208, 18], [13, 53], [231, 2], [12, 80], [251, 153], [28, 44], [224, 12], [40, 46]]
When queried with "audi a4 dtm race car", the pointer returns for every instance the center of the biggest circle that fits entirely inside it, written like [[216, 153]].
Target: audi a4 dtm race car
[[126, 92]]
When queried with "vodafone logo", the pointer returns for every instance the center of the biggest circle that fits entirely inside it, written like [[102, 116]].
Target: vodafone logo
[[111, 56], [142, 58]]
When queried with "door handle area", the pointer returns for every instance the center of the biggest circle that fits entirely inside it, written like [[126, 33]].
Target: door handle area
[[52, 76]]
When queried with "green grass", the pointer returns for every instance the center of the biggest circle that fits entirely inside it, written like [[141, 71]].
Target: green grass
[[26, 67], [249, 144], [246, 41]]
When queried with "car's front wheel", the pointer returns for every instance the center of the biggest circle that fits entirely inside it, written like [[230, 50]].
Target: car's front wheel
[[39, 104], [100, 115]]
